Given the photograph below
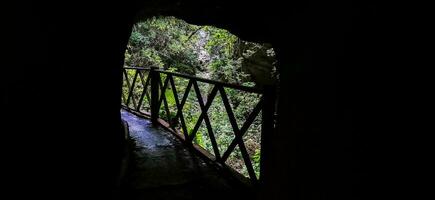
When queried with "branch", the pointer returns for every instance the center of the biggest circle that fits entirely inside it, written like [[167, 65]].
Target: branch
[[194, 32]]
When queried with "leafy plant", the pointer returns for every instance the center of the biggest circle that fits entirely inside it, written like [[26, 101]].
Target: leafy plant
[[211, 53]]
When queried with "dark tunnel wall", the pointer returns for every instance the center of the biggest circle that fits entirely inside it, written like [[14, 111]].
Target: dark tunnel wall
[[61, 92]]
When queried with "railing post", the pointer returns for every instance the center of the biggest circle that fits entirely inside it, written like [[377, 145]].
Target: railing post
[[154, 76], [267, 130]]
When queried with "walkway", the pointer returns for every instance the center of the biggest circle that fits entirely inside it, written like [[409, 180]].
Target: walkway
[[163, 168]]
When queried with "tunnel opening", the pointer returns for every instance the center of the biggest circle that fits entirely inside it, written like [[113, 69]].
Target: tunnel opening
[[327, 52], [210, 88]]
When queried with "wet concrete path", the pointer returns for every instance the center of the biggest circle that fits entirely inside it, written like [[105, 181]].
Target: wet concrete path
[[162, 167]]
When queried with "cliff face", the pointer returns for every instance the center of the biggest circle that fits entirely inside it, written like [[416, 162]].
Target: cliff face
[[261, 65]]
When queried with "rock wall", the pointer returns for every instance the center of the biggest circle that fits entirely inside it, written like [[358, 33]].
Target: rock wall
[[61, 83]]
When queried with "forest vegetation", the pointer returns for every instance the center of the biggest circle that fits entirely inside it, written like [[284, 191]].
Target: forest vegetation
[[212, 53]]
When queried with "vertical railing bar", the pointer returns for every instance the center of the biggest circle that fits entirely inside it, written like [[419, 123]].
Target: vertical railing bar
[[207, 121], [155, 107]]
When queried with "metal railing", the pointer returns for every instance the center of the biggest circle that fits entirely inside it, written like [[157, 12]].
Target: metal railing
[[146, 92]]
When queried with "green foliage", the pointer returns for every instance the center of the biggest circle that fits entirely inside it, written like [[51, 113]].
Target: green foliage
[[162, 42], [222, 42], [208, 52]]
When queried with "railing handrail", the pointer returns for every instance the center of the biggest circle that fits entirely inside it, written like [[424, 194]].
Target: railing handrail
[[139, 68], [228, 85], [158, 96]]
